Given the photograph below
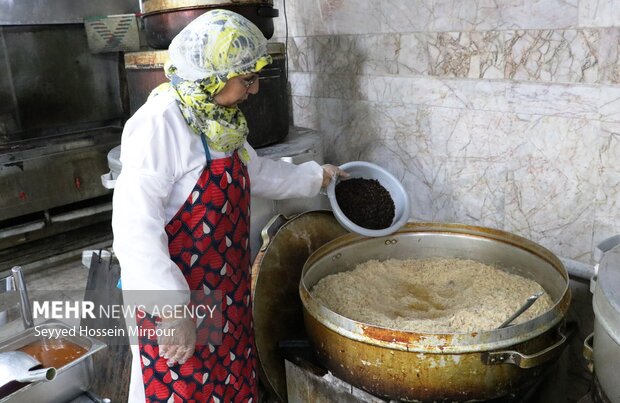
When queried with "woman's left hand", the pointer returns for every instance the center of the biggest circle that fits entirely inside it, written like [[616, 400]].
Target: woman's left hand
[[331, 171], [179, 340]]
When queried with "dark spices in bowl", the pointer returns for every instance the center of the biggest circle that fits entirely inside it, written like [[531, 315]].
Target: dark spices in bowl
[[365, 202]]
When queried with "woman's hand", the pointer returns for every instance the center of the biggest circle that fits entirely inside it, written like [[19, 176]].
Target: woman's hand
[[178, 341], [331, 171]]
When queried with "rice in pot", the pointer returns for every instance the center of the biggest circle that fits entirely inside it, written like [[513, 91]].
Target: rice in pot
[[438, 295]]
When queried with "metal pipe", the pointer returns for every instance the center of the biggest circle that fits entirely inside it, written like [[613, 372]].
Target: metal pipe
[[587, 271], [578, 269], [24, 301], [81, 213], [21, 229]]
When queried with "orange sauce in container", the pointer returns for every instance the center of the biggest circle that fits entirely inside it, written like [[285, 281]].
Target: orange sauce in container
[[54, 353]]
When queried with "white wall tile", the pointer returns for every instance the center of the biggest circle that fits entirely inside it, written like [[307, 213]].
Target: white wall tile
[[599, 13], [502, 114], [552, 56], [568, 56], [337, 17], [560, 100]]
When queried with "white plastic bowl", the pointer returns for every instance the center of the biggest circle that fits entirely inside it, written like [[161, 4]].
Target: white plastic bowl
[[367, 170]]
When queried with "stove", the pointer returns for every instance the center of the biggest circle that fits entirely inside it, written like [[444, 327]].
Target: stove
[[307, 380]]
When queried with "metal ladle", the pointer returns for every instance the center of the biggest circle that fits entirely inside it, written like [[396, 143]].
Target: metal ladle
[[528, 303]]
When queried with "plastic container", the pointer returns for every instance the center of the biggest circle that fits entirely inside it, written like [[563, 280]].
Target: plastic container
[[114, 163], [367, 170]]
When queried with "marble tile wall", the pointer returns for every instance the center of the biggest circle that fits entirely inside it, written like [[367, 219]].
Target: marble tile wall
[[496, 113]]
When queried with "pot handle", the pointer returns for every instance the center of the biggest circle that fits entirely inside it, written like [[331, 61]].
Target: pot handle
[[605, 246], [599, 252], [267, 12], [107, 181], [272, 226], [588, 351], [526, 361]]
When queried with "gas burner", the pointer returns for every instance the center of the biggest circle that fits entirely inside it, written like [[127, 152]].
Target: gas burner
[[305, 369]]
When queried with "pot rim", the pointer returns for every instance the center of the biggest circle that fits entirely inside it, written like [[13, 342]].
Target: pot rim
[[606, 299], [156, 58], [440, 343], [154, 7]]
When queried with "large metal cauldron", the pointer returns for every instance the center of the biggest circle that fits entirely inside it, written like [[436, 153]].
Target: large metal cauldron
[[266, 112], [164, 19], [438, 366], [606, 304]]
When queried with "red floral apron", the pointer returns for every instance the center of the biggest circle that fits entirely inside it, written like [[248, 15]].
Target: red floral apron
[[208, 239]]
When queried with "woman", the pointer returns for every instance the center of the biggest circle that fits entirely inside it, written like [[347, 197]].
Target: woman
[[181, 207]]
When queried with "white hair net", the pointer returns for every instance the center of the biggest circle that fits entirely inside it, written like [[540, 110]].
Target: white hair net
[[218, 43]]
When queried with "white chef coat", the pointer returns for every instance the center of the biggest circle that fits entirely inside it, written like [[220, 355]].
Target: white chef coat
[[162, 159]]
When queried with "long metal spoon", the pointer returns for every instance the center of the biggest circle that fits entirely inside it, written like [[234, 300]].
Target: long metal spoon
[[528, 303]]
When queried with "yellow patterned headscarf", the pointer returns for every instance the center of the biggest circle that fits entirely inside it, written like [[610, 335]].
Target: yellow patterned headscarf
[[212, 49]]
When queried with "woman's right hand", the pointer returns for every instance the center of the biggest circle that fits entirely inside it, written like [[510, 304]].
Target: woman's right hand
[[330, 171], [178, 341]]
